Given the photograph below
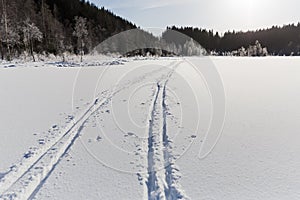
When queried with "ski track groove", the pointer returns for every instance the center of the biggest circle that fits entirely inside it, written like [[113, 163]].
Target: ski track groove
[[161, 183], [54, 166], [152, 185], [10, 180]]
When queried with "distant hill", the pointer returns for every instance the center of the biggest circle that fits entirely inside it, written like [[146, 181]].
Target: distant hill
[[102, 23]]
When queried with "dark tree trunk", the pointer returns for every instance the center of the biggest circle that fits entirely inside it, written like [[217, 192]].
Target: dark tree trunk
[[31, 50], [2, 52], [81, 50]]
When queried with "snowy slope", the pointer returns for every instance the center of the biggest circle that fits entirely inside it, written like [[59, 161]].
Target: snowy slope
[[133, 129]]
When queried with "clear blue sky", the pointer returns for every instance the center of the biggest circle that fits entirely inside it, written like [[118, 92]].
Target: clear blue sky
[[220, 15]]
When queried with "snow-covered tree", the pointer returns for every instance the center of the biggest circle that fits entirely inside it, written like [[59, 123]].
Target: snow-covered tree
[[80, 32], [31, 35], [179, 49], [242, 51], [252, 50], [257, 50], [191, 48], [265, 51]]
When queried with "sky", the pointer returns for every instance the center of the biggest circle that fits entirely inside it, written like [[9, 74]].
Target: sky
[[219, 15]]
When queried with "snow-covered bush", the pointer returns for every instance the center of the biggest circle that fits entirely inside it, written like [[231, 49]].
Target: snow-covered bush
[[252, 50], [257, 50]]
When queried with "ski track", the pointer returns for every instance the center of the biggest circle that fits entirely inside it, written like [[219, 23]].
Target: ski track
[[155, 181], [28, 179], [163, 175], [25, 179]]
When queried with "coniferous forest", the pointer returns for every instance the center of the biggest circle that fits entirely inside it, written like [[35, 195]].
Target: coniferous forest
[[77, 26], [283, 40]]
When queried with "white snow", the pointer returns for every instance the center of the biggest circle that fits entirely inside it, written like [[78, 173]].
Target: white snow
[[81, 131]]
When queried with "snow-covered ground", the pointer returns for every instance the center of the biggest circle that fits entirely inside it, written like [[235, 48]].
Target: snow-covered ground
[[133, 129]]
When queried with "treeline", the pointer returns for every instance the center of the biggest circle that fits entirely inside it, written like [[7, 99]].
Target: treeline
[[54, 26], [77, 26], [139, 42], [283, 40]]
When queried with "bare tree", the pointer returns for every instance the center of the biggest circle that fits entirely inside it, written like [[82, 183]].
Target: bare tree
[[4, 24], [80, 32], [43, 10], [31, 34], [9, 36], [9, 29]]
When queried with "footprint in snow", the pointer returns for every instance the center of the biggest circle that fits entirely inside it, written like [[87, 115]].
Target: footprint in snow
[[55, 127], [41, 141], [140, 178], [28, 154], [98, 138], [129, 134]]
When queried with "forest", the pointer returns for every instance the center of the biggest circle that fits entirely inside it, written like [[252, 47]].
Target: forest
[[278, 40], [49, 26]]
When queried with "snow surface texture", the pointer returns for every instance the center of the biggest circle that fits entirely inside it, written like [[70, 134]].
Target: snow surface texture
[[132, 129]]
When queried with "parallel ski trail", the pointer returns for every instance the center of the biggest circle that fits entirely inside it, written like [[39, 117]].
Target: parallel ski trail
[[14, 176], [162, 181], [25, 179], [30, 175]]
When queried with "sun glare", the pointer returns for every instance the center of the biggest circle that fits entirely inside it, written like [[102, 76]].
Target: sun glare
[[244, 5]]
